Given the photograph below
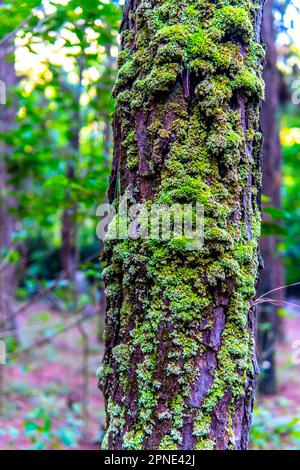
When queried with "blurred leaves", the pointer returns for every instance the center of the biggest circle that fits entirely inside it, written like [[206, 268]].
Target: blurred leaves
[[275, 431], [64, 97]]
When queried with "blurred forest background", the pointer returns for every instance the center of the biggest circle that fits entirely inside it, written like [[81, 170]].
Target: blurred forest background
[[58, 61]]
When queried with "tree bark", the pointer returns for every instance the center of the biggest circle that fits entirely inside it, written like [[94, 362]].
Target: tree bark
[[7, 203], [179, 370], [272, 276]]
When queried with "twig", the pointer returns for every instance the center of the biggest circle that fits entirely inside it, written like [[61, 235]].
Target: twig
[[278, 289], [278, 303], [42, 293], [47, 339], [32, 301]]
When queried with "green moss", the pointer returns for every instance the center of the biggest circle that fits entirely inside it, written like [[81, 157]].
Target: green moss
[[177, 33], [121, 355], [206, 444], [133, 440], [116, 421], [214, 93], [103, 372], [168, 443], [227, 57], [200, 44], [201, 425], [160, 79], [126, 74], [173, 369], [250, 83], [188, 346], [131, 149], [168, 53], [234, 21], [218, 235], [215, 272]]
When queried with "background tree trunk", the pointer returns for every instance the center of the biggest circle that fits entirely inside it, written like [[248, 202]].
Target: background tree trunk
[[179, 370], [69, 227], [8, 279], [273, 274], [69, 216]]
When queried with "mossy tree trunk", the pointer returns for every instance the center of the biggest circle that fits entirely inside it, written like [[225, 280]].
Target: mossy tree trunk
[[179, 370]]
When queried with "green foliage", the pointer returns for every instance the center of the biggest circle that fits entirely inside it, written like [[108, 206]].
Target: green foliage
[[280, 433], [291, 201], [14, 12], [38, 427]]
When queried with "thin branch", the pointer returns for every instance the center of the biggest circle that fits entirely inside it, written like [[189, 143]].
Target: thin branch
[[278, 289], [278, 303], [32, 301], [17, 330], [47, 339], [42, 293]]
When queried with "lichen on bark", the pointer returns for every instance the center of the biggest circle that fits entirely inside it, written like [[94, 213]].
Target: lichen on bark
[[179, 368]]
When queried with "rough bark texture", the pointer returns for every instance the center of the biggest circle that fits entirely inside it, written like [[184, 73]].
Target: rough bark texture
[[273, 274], [179, 370]]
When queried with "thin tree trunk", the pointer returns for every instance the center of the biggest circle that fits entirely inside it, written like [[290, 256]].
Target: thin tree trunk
[[7, 202], [273, 274], [179, 370], [69, 226], [69, 232], [69, 217]]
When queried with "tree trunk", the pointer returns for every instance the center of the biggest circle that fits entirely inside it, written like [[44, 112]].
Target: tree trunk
[[69, 226], [69, 232], [7, 201], [179, 370], [273, 274]]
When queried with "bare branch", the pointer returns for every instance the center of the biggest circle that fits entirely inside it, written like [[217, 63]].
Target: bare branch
[[86, 314]]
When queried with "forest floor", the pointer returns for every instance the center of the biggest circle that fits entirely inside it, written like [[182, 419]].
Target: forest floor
[[44, 391], [276, 421]]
